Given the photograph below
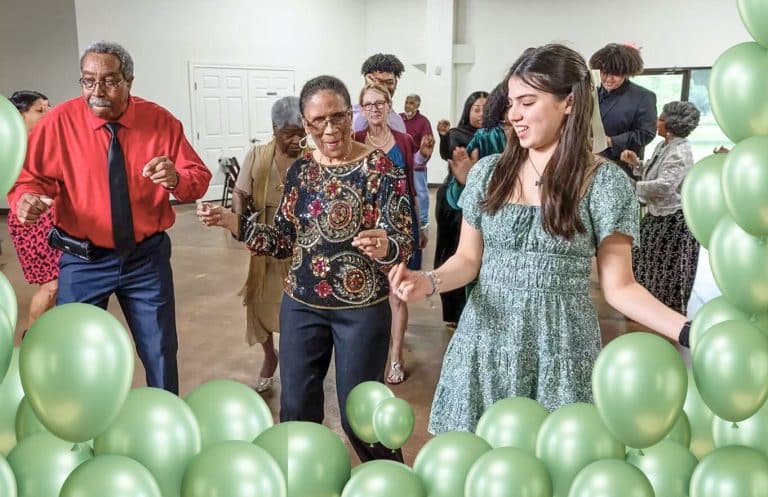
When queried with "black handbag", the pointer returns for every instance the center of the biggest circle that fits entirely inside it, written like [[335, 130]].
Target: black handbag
[[61, 240]]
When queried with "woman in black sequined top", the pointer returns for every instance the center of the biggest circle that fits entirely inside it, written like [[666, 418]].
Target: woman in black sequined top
[[345, 220]]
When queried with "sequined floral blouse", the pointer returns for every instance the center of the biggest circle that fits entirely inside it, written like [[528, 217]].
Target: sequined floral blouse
[[322, 210]]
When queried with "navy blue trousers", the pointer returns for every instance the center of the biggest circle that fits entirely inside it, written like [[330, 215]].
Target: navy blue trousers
[[143, 284], [308, 337]]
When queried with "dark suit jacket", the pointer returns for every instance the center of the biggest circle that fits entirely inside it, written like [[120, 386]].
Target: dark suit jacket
[[629, 119]]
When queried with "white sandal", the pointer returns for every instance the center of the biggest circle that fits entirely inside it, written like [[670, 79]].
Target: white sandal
[[396, 373], [263, 384]]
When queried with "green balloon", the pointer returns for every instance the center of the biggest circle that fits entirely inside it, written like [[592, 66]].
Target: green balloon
[[716, 311], [737, 91], [731, 472], [611, 478], [752, 432], [754, 15], [11, 394], [233, 468], [668, 467], [700, 418], [702, 197], [7, 480], [361, 403], [570, 438], [745, 183], [76, 366], [42, 462], [737, 261], [639, 382], [228, 410], [393, 421], [384, 479], [26, 421], [444, 462], [512, 422], [6, 342], [13, 144], [157, 429], [115, 476], [507, 471], [8, 298], [730, 366], [681, 431], [313, 459]]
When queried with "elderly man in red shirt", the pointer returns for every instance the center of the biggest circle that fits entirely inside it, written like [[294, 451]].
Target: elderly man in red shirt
[[106, 163]]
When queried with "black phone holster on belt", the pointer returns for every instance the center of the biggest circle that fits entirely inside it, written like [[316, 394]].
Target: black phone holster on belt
[[61, 240]]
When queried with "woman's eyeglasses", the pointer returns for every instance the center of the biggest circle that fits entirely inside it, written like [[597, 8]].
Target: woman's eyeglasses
[[335, 120], [370, 105]]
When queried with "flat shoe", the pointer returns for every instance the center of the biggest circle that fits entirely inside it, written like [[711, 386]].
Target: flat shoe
[[263, 384], [396, 373]]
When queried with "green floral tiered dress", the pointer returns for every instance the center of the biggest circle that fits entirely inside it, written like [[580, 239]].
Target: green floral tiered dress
[[529, 328]]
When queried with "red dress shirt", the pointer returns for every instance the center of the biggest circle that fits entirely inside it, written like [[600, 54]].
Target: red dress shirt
[[67, 160]]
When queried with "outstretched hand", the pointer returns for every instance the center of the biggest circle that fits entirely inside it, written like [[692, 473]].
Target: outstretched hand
[[408, 285], [462, 162]]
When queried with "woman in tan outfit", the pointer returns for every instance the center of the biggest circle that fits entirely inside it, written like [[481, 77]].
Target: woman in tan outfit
[[257, 194]]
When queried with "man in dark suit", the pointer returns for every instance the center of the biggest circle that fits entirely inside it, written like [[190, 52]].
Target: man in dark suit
[[628, 111]]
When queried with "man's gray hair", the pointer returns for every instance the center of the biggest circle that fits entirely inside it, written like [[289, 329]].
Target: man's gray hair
[[112, 48], [415, 97], [285, 112]]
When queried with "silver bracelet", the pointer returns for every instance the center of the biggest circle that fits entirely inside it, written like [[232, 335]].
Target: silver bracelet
[[434, 280]]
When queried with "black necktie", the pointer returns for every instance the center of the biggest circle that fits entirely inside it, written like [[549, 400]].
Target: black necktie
[[119, 201]]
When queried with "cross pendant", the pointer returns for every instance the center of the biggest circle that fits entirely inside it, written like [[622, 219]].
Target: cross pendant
[[539, 182]]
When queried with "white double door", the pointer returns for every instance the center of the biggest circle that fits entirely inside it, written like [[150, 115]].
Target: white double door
[[231, 110]]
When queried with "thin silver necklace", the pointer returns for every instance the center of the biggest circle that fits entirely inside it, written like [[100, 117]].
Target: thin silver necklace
[[539, 181]]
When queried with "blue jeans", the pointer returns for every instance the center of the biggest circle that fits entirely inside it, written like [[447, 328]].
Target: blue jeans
[[143, 284], [308, 337]]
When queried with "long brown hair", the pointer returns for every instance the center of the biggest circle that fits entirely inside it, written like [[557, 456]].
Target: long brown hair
[[562, 72]]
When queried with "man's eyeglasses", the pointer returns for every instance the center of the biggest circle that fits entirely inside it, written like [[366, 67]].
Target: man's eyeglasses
[[107, 84], [335, 120], [370, 105]]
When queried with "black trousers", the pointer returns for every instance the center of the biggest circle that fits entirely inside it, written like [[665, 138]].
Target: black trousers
[[308, 337]]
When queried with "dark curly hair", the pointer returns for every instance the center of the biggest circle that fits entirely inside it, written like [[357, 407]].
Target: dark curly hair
[[320, 83], [23, 99], [383, 62], [680, 118], [616, 59], [495, 106]]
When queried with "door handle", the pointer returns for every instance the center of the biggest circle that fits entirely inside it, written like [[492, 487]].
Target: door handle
[[271, 93], [255, 140]]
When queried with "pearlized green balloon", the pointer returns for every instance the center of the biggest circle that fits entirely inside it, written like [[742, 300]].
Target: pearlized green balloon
[[228, 410], [393, 421], [384, 479], [8, 299], [76, 365], [611, 478], [737, 94], [639, 382], [730, 366], [233, 468], [42, 462], [731, 472], [700, 418], [570, 438], [13, 144], [26, 421], [443, 463], [512, 422], [313, 459], [738, 265], [752, 432], [157, 429], [361, 403], [702, 197], [754, 15], [668, 467], [681, 431], [508, 471], [7, 480], [112, 475], [716, 311], [11, 394], [6, 342], [745, 183]]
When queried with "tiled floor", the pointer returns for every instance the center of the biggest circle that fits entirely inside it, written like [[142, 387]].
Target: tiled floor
[[209, 269]]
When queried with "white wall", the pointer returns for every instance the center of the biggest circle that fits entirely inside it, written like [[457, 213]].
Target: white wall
[[682, 33], [163, 36], [38, 48]]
